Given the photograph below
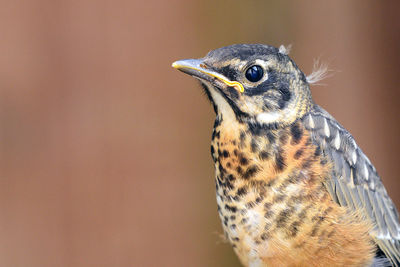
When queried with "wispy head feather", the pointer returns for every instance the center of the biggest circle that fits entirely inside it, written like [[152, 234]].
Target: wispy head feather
[[285, 50], [320, 71]]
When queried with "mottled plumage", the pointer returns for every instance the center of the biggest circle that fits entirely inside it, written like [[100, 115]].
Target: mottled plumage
[[293, 188]]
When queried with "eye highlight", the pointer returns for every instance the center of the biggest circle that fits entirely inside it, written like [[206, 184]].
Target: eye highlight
[[254, 73]]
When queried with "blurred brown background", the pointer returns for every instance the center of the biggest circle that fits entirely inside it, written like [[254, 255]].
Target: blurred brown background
[[104, 148]]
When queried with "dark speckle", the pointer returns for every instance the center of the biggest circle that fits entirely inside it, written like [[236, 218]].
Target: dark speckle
[[239, 170], [265, 236], [283, 138], [297, 133], [267, 226], [241, 191], [294, 199], [317, 151], [242, 138], [330, 234], [264, 155], [250, 172], [301, 244], [229, 185], [230, 208], [283, 217], [268, 214], [314, 230], [221, 169], [279, 198], [298, 153], [225, 154], [217, 121], [271, 182], [308, 142], [258, 129], [267, 205], [219, 181], [328, 210], [294, 228], [306, 164], [280, 161], [250, 205], [271, 137], [243, 160]]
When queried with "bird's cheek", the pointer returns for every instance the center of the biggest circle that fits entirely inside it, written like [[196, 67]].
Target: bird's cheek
[[250, 107]]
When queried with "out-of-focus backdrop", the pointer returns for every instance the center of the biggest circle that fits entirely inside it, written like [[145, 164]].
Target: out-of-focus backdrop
[[104, 148]]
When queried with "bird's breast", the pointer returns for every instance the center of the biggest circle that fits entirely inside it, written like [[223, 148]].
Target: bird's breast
[[270, 193]]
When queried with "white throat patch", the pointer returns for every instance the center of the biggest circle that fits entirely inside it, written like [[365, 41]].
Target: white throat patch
[[223, 106], [268, 117], [281, 116]]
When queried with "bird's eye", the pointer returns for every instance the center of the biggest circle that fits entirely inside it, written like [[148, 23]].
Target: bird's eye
[[254, 73]]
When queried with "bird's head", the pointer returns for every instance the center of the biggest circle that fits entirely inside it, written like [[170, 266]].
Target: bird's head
[[252, 83]]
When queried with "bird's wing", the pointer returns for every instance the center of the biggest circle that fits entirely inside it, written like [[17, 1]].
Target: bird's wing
[[355, 182]]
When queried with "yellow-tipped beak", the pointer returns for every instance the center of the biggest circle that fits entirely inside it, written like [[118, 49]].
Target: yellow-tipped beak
[[191, 66]]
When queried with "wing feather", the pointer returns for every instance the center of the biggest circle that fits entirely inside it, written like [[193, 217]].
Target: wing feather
[[354, 182]]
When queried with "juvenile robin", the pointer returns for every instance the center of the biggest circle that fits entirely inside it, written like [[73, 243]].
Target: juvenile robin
[[293, 188]]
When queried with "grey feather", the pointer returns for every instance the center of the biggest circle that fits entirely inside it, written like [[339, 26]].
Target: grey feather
[[381, 262], [355, 183]]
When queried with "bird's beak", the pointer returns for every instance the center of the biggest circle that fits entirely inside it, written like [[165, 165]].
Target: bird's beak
[[197, 68]]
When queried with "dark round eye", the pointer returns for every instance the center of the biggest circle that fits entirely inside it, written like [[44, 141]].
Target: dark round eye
[[254, 73]]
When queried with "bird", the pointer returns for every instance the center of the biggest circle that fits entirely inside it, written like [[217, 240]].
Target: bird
[[293, 188]]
